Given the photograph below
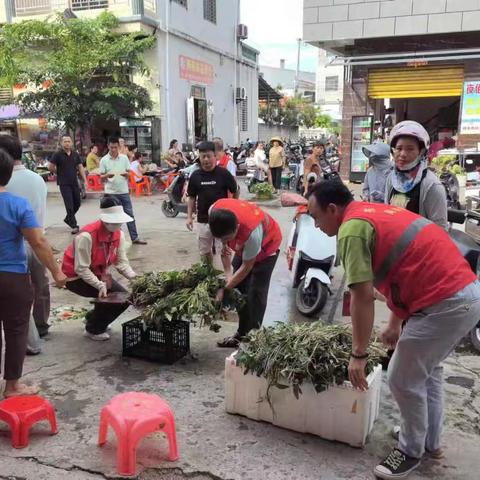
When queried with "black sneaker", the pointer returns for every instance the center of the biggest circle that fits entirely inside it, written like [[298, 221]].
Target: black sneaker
[[396, 465]]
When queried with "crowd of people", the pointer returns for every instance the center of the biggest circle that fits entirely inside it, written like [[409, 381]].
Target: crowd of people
[[387, 246]]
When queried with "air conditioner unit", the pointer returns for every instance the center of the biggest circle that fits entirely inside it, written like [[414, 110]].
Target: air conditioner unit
[[241, 93], [242, 32]]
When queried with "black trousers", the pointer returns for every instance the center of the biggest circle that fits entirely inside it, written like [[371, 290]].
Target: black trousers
[[103, 314], [72, 201], [16, 296], [276, 177], [255, 287]]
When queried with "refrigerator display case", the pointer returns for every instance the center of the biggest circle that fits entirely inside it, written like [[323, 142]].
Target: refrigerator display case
[[138, 133], [362, 135]]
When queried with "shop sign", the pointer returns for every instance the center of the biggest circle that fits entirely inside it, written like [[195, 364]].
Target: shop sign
[[134, 122], [470, 123], [421, 62], [9, 112], [195, 70]]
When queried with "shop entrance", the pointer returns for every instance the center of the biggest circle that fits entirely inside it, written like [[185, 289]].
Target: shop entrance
[[429, 95], [200, 119]]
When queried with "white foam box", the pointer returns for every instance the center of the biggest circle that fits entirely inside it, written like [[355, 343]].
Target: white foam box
[[340, 413]]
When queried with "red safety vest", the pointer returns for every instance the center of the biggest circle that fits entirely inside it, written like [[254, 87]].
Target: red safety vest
[[415, 263], [223, 162], [104, 250], [249, 217]]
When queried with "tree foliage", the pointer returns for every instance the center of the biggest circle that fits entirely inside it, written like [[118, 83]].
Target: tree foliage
[[75, 70], [290, 111]]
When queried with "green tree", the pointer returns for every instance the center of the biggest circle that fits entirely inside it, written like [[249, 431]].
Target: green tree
[[323, 120], [292, 111], [76, 70]]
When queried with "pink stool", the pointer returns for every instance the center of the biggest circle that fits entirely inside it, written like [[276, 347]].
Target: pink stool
[[133, 415], [20, 413]]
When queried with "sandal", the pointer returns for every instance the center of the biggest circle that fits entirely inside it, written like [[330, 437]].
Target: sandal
[[22, 390], [229, 342]]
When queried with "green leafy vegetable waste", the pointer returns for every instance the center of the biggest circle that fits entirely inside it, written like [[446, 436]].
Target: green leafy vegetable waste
[[288, 355], [183, 295]]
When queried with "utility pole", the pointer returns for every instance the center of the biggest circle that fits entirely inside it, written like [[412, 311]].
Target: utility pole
[[299, 40]]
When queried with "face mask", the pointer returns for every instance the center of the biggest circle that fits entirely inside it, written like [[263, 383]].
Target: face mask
[[113, 227], [409, 167]]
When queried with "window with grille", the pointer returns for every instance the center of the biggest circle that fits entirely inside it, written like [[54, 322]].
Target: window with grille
[[183, 3], [210, 10], [244, 115], [331, 84], [89, 4]]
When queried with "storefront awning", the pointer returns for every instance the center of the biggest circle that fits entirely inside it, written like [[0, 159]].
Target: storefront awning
[[266, 92], [416, 82]]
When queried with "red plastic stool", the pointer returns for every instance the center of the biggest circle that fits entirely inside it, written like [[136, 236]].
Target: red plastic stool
[[94, 182], [133, 415], [20, 413]]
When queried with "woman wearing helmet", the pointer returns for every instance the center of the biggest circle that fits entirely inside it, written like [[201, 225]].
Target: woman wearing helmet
[[411, 184]]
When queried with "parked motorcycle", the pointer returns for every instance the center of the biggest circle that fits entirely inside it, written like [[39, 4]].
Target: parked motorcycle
[[174, 205], [468, 243]]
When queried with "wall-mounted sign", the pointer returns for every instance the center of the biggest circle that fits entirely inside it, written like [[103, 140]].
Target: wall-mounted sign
[[418, 62], [470, 123], [195, 70]]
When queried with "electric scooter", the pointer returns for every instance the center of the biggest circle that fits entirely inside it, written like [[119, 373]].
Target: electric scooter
[[311, 256], [468, 243], [174, 205]]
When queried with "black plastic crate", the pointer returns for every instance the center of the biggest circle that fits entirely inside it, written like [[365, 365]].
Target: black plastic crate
[[166, 345]]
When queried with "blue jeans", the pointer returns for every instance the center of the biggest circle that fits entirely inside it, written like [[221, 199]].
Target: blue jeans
[[126, 202]]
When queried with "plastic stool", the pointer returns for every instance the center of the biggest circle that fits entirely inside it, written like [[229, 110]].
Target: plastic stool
[[94, 183], [133, 415], [20, 413]]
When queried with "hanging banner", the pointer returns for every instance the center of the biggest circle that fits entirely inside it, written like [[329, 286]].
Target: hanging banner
[[195, 70], [470, 123]]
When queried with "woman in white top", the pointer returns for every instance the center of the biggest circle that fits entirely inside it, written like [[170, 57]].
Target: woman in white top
[[261, 162]]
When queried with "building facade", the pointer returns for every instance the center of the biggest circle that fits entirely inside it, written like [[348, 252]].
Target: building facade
[[329, 85], [285, 80], [403, 59], [204, 78]]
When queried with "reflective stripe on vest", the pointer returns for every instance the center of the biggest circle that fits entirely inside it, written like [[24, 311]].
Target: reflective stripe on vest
[[407, 237]]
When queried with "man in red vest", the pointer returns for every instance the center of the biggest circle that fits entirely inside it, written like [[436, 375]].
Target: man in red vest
[[254, 238], [224, 160], [86, 262], [419, 270]]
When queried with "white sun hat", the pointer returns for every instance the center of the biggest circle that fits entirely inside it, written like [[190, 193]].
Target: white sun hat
[[114, 214]]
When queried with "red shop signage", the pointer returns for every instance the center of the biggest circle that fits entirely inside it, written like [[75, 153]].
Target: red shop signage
[[195, 70]]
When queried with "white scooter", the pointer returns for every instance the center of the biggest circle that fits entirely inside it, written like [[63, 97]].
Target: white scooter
[[311, 256]]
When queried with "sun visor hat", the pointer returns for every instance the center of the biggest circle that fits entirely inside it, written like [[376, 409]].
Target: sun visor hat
[[114, 214]]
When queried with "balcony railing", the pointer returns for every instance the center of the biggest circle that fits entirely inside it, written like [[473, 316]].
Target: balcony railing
[[25, 8], [38, 7], [89, 4]]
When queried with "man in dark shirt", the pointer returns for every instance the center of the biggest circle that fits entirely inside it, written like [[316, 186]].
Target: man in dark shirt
[[207, 185], [66, 164]]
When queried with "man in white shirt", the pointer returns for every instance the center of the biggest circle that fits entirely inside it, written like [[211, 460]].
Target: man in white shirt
[[28, 184], [115, 168]]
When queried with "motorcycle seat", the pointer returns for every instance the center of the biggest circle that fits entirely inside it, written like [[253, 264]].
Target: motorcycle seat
[[468, 247]]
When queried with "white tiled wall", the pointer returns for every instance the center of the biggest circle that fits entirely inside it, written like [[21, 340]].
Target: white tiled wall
[[327, 20]]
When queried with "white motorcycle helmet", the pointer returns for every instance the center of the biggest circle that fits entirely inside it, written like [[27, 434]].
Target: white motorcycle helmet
[[409, 128]]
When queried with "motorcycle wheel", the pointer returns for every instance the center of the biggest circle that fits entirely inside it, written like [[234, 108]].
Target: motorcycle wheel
[[311, 300], [292, 183], [169, 210], [475, 337]]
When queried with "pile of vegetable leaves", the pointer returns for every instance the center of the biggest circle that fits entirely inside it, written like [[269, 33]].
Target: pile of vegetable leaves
[[288, 355], [183, 295]]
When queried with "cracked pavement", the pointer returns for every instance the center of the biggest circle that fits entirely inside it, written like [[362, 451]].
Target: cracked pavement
[[79, 376]]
